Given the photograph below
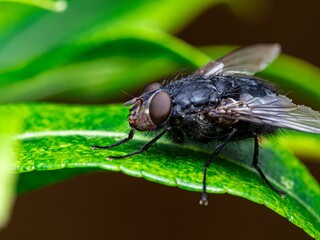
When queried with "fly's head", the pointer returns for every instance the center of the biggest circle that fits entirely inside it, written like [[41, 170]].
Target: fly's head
[[151, 110]]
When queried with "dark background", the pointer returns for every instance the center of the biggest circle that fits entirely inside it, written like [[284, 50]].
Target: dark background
[[112, 205]]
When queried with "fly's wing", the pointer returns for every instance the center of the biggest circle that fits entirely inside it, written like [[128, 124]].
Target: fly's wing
[[274, 110], [246, 60]]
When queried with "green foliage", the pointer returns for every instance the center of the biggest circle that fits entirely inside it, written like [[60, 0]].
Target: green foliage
[[56, 6], [114, 47], [59, 137], [46, 31], [98, 66], [8, 128]]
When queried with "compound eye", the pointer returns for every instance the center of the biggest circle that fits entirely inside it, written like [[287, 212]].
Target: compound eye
[[151, 86], [160, 107]]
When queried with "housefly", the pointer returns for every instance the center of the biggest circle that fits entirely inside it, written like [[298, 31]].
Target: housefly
[[223, 102]]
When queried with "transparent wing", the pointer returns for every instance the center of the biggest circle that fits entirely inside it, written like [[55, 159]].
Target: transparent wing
[[274, 110], [212, 68], [246, 60]]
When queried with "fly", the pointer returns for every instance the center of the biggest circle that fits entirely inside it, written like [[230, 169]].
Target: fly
[[222, 101]]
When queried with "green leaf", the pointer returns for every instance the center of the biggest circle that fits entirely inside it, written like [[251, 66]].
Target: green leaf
[[8, 128], [43, 32], [30, 181], [56, 6], [59, 137], [99, 66], [302, 144]]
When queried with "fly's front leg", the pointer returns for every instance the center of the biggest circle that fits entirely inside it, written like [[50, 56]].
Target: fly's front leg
[[142, 149], [204, 198], [255, 164], [127, 139]]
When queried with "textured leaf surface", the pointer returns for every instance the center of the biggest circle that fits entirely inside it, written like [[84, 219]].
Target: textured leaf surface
[[59, 137]]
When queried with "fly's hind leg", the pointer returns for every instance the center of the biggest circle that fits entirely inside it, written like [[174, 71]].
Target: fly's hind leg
[[204, 198], [255, 164]]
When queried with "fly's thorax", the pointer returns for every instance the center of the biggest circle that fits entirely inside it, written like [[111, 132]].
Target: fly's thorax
[[151, 110], [192, 94]]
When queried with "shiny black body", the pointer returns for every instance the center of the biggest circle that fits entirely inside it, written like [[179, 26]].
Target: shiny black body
[[223, 102], [193, 98]]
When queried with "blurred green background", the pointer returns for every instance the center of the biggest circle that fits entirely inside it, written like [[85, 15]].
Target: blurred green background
[[91, 51]]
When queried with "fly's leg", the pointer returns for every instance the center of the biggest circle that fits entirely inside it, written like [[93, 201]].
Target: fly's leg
[[255, 164], [204, 198], [127, 139], [142, 149]]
